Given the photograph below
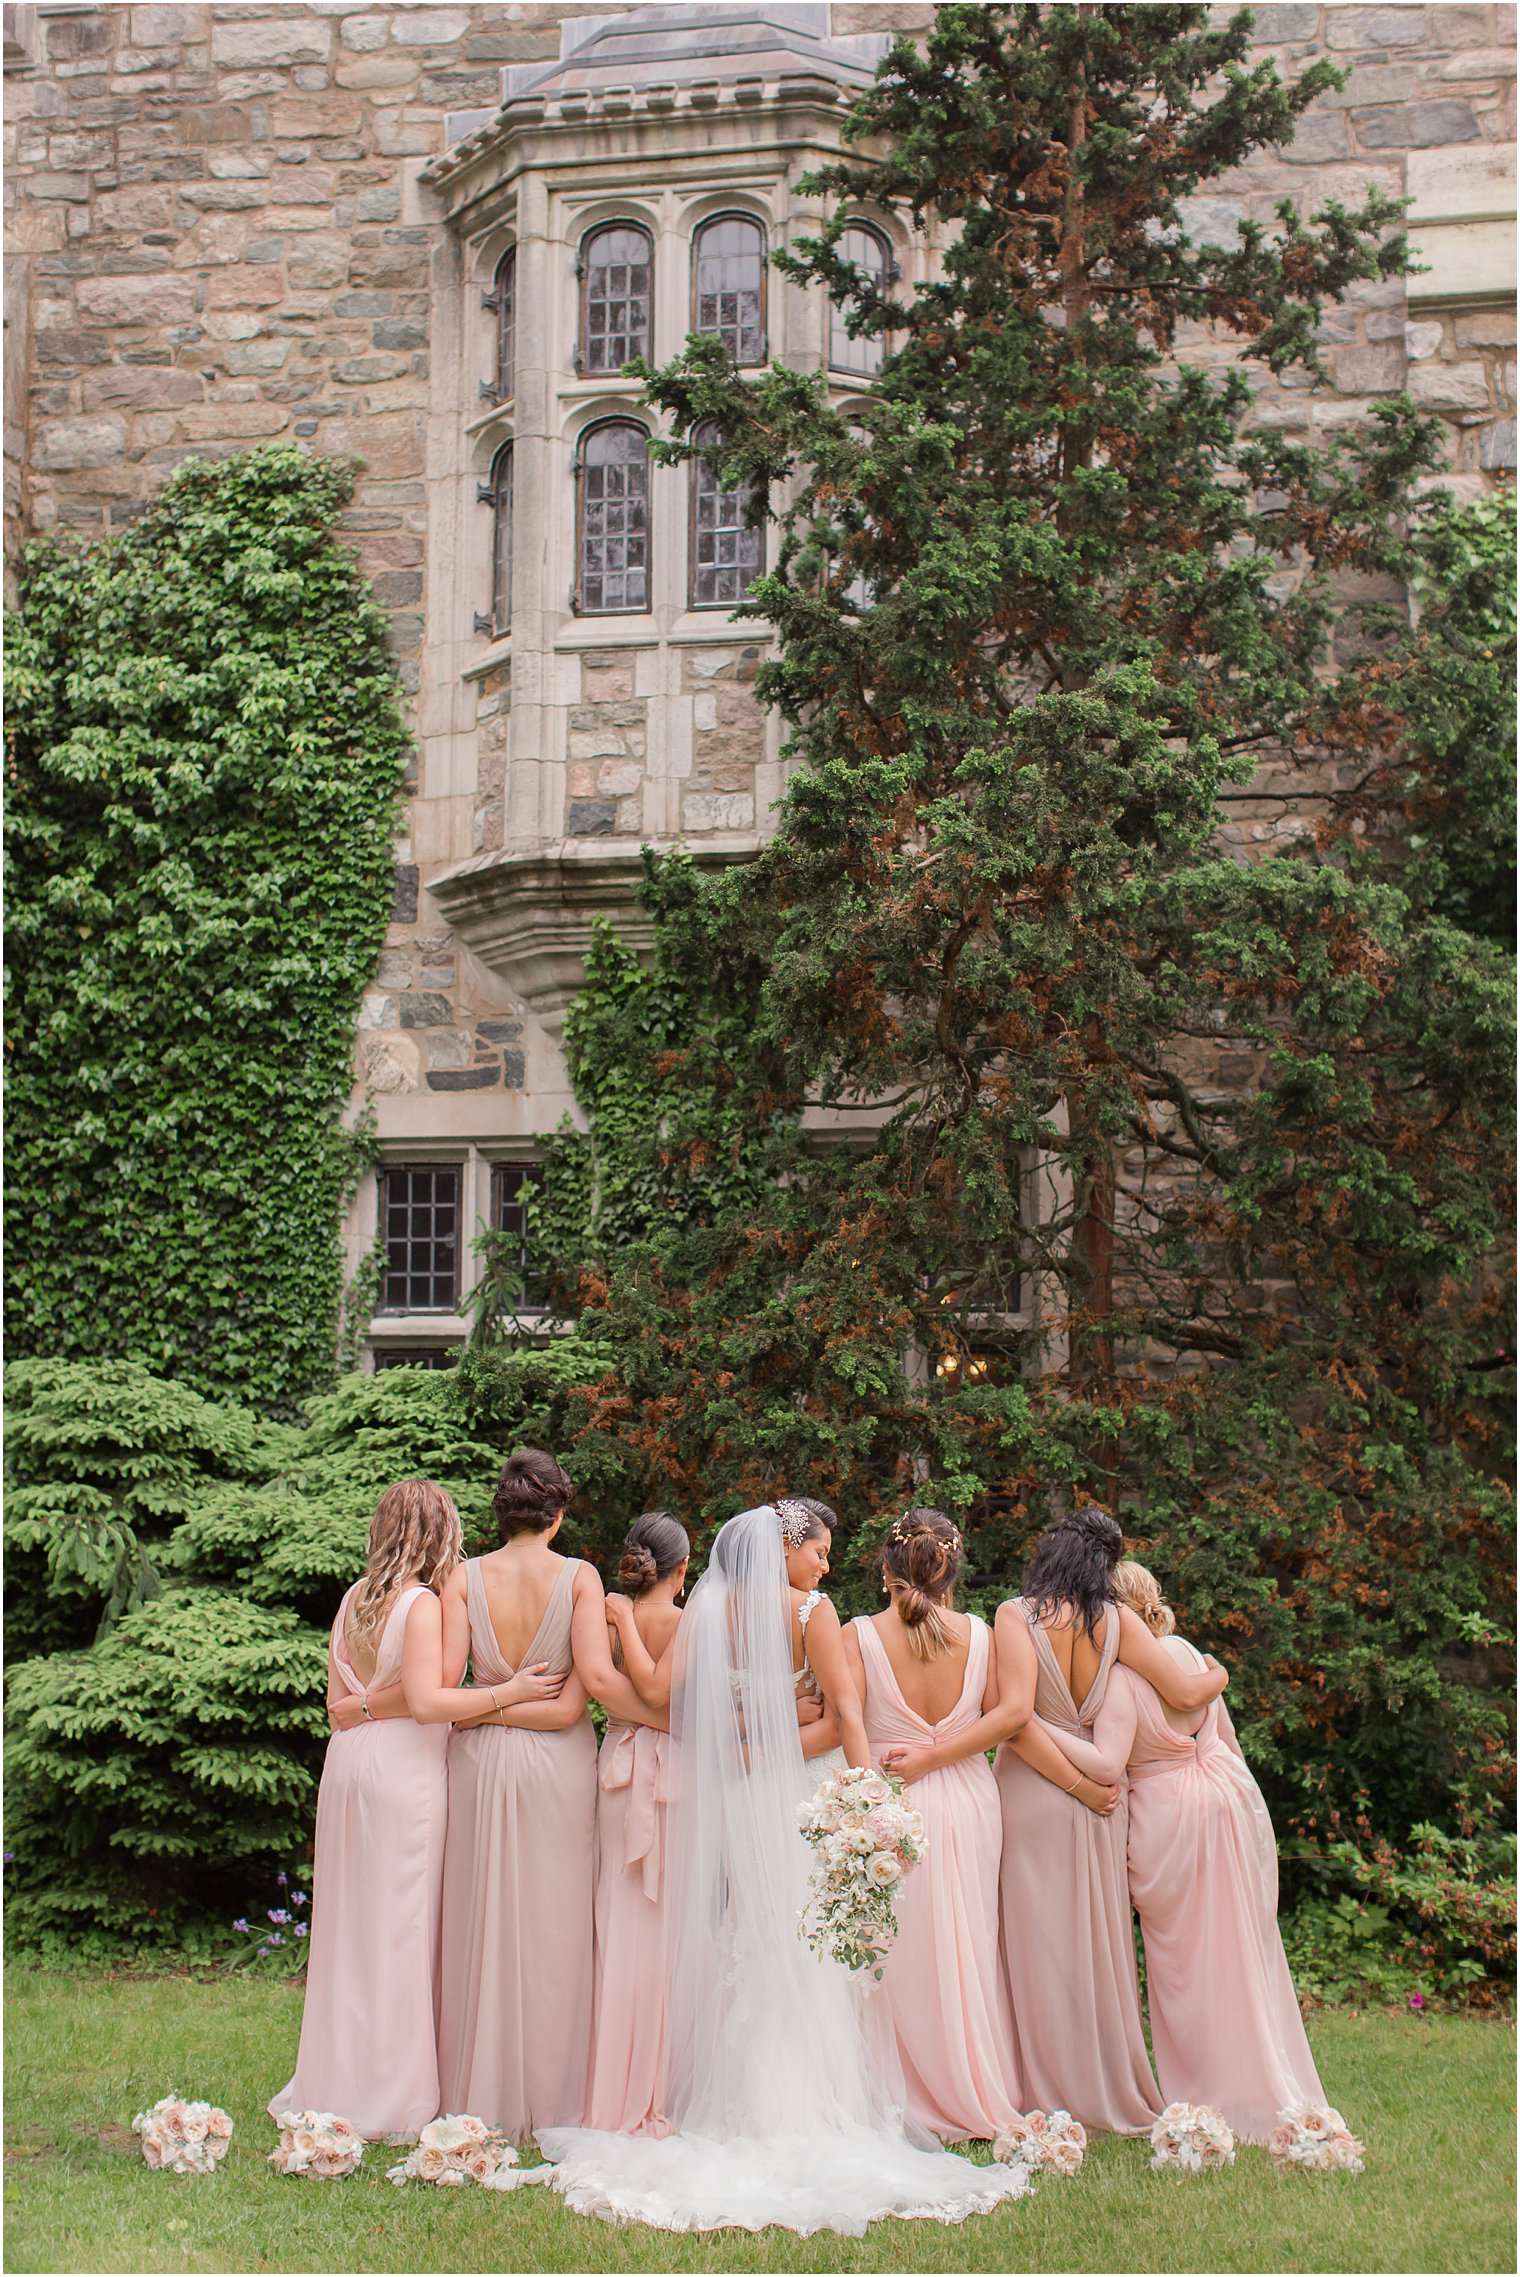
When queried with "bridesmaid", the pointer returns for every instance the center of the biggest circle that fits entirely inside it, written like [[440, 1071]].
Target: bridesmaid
[[1068, 1947], [1225, 2020], [368, 2031], [628, 2032], [514, 2028], [923, 1674]]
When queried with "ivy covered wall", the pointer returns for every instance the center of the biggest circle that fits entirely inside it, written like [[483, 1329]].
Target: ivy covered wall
[[206, 745]]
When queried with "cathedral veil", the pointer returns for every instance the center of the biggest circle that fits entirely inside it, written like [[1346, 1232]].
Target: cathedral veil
[[780, 2111]]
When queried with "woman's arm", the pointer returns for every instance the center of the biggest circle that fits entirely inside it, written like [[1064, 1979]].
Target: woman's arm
[[429, 1701], [1106, 1754], [456, 1626], [593, 1657], [826, 1658], [649, 1677], [1186, 1688], [817, 1727]]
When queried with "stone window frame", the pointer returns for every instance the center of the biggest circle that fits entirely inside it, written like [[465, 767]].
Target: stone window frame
[[839, 342], [703, 482], [582, 365], [597, 426], [699, 225]]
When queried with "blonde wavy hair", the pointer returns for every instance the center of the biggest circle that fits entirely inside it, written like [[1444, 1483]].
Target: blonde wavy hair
[[415, 1529], [1139, 1589]]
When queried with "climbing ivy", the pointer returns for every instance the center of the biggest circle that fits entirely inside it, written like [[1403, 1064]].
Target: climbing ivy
[[206, 747]]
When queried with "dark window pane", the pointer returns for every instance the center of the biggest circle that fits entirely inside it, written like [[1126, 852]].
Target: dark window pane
[[615, 298], [614, 536], [415, 1356], [866, 249], [501, 541], [506, 326], [727, 550], [421, 1250], [729, 285], [512, 1184]]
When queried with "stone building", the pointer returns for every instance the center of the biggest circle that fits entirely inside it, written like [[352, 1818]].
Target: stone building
[[428, 236]]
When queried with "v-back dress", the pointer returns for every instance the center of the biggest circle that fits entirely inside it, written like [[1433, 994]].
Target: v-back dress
[[514, 2037], [1225, 2019], [1067, 1941], [368, 2031], [942, 1989]]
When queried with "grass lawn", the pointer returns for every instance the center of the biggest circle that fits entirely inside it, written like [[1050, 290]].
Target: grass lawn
[[1433, 2098]]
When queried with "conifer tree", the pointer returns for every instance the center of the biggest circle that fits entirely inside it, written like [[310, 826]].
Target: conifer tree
[[1161, 1164]]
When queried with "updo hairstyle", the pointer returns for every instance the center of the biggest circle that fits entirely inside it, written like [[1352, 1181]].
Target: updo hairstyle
[[657, 1543], [1139, 1589], [920, 1561], [804, 1518], [530, 1494]]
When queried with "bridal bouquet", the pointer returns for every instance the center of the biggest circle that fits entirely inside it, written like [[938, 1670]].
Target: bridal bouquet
[[454, 2151], [1315, 2136], [1188, 2137], [1052, 2140], [318, 2143], [864, 1839], [181, 2137]]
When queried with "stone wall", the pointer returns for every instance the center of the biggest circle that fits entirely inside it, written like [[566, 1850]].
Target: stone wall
[[218, 235]]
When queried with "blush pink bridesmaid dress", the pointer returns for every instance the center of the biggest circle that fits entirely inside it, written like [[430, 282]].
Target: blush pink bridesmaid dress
[[514, 2028], [1067, 1942], [942, 1991], [368, 2032], [1225, 2021], [628, 2031]]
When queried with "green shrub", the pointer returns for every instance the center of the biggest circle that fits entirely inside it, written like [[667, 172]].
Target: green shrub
[[1431, 1920]]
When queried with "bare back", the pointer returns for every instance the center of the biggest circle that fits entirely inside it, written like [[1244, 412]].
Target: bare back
[[518, 1585], [931, 1688], [1077, 1652], [363, 1649]]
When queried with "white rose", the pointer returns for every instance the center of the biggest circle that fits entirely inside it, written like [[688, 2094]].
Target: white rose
[[883, 1870], [448, 2134]]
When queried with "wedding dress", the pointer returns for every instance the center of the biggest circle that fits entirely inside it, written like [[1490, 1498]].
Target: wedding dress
[[778, 2112]]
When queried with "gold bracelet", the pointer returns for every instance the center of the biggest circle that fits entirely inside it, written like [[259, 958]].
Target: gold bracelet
[[1076, 1783]]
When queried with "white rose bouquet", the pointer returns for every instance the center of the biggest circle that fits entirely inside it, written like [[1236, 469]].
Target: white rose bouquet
[[1188, 2137], [183, 2137], [1052, 2141], [318, 2143], [459, 2149], [1315, 2137], [864, 1838]]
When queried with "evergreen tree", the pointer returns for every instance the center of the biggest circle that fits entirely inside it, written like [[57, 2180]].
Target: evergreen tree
[[1176, 1166]]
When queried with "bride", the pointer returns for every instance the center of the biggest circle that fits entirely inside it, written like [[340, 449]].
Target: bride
[[778, 2112]]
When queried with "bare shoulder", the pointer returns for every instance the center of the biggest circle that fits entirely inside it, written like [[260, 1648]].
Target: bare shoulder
[[587, 1582], [456, 1584]]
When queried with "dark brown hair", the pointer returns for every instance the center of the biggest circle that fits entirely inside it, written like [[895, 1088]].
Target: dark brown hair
[[657, 1543], [1073, 1567], [921, 1559], [530, 1494]]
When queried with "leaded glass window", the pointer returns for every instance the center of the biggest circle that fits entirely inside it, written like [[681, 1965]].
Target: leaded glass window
[[615, 280], [866, 249], [419, 1225], [505, 295], [728, 285], [501, 540], [512, 1187], [727, 548], [613, 519]]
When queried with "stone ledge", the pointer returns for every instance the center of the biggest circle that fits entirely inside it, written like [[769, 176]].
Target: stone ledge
[[528, 916]]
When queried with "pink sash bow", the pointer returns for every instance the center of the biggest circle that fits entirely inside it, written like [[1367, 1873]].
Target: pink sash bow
[[633, 1757]]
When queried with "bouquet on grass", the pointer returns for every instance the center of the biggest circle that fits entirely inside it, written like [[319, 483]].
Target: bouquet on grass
[[460, 2149], [1188, 2137], [183, 2137], [1050, 2140], [864, 1839], [318, 2143], [1316, 2137]]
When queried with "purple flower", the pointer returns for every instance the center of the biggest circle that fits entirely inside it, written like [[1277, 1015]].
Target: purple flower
[[298, 1897], [278, 1913], [10, 1857], [275, 1938], [280, 1881], [241, 1927], [1417, 2000], [299, 1930], [266, 1948]]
